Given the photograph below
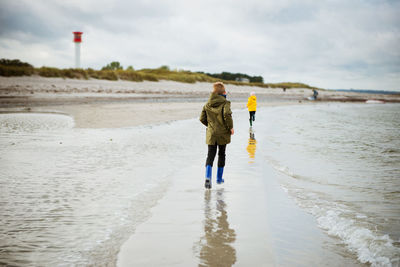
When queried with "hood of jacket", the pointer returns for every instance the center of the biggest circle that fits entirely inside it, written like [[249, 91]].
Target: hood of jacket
[[253, 98], [215, 103]]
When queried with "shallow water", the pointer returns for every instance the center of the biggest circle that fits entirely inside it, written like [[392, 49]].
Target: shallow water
[[72, 196], [342, 164]]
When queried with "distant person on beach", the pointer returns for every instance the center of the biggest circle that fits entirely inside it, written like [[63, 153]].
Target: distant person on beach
[[217, 116], [252, 106], [315, 94]]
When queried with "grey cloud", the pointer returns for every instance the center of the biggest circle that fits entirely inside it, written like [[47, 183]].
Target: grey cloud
[[15, 17], [314, 41]]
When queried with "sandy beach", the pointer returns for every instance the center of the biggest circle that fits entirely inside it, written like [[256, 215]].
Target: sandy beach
[[248, 221], [105, 104], [108, 104]]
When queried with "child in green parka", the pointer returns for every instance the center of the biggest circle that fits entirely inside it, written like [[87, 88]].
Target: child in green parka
[[217, 116]]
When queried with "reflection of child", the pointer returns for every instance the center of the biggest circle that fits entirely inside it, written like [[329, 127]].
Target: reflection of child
[[251, 148], [252, 106], [217, 116]]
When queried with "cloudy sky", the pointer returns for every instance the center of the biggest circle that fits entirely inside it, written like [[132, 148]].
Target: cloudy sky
[[329, 44]]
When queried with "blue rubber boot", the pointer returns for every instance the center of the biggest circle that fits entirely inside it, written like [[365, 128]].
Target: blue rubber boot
[[220, 172], [208, 176]]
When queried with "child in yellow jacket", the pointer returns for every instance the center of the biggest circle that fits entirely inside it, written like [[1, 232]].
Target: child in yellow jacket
[[252, 106]]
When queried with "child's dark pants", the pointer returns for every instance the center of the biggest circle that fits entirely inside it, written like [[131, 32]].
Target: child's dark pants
[[252, 115], [212, 151]]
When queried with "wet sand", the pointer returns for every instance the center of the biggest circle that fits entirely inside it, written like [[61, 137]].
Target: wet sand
[[115, 115], [247, 221]]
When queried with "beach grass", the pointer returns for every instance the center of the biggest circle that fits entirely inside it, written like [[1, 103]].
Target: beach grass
[[10, 68]]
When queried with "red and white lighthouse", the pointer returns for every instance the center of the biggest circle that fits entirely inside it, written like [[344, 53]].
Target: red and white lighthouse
[[77, 41]]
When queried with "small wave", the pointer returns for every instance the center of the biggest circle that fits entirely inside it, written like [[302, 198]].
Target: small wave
[[284, 189], [390, 151], [285, 170], [370, 247]]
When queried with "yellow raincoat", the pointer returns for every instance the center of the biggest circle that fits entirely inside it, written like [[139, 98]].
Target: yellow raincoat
[[252, 103]]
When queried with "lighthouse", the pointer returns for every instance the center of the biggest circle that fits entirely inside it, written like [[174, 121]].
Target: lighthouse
[[77, 41]]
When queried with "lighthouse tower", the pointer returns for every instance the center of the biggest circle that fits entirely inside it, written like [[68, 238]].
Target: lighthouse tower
[[77, 41]]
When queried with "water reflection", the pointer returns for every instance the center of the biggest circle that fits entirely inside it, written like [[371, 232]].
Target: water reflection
[[251, 147], [216, 248]]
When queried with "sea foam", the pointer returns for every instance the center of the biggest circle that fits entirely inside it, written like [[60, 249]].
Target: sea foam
[[369, 246]]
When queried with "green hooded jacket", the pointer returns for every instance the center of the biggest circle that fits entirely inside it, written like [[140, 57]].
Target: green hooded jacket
[[217, 116]]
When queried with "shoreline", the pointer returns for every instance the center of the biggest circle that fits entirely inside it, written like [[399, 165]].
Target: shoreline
[[112, 115], [113, 104], [38, 91]]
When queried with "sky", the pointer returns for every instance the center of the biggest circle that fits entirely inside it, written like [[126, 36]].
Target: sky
[[333, 44]]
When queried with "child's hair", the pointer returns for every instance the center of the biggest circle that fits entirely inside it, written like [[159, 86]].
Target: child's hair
[[253, 93], [219, 88]]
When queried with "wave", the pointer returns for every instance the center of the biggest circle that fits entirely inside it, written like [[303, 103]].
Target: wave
[[369, 246], [285, 170], [340, 221]]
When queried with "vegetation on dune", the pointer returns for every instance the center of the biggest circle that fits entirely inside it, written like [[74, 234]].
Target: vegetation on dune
[[164, 73], [114, 71], [227, 76], [115, 65], [15, 67], [14, 63]]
